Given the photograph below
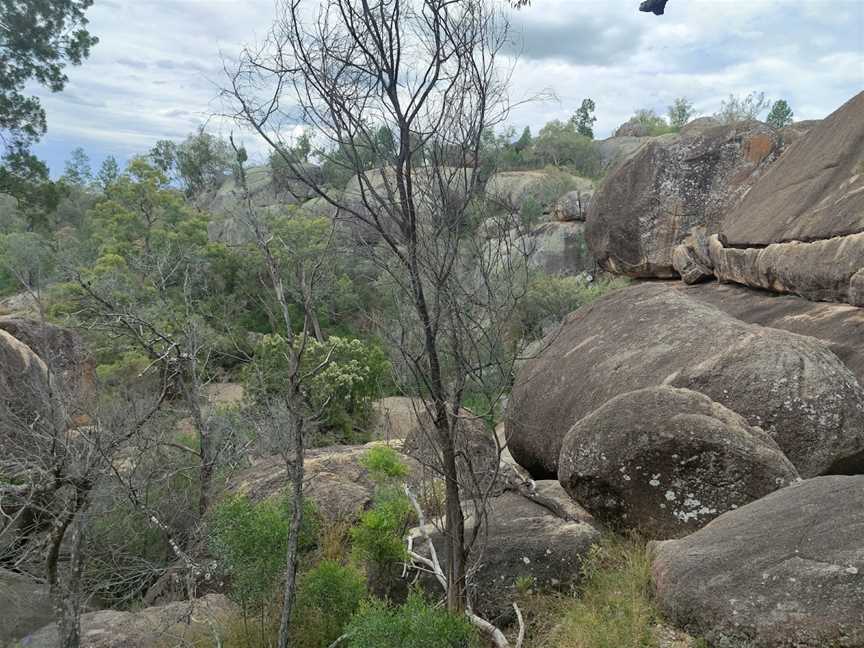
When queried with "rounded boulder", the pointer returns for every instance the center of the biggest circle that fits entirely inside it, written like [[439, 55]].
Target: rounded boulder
[[666, 461]]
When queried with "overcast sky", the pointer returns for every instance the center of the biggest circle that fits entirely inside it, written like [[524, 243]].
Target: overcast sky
[[156, 70]]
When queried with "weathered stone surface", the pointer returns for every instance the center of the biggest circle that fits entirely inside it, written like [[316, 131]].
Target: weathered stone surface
[[650, 202], [572, 206], [60, 347], [786, 571], [186, 623], [25, 386], [650, 334], [24, 606], [691, 258], [814, 192], [840, 326], [512, 188], [478, 459], [794, 388], [523, 540], [615, 150], [338, 483], [666, 461], [826, 270], [800, 229], [557, 248], [631, 128]]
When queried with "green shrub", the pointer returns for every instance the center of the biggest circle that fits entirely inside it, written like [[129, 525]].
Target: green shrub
[[549, 298], [345, 388], [327, 597], [416, 624], [384, 465], [380, 534], [250, 541]]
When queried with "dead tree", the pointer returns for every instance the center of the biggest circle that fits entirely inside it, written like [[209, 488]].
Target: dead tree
[[398, 93]]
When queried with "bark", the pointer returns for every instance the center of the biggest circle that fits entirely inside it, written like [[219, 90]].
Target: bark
[[295, 469]]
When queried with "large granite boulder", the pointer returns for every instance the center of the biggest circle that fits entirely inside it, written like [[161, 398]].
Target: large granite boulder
[[61, 348], [666, 461], [512, 189], [200, 622], [840, 326], [573, 206], [25, 387], [799, 229], [615, 150], [557, 248], [522, 540], [651, 334], [24, 606], [786, 571], [650, 202]]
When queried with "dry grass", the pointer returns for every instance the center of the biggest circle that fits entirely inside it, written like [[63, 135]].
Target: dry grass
[[614, 609]]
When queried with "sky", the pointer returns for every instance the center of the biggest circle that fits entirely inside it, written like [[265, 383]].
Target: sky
[[157, 69]]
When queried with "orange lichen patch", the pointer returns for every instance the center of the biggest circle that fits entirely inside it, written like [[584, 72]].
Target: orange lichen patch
[[758, 147]]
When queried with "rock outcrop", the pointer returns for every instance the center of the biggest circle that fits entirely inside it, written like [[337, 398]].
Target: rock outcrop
[[62, 348], [784, 571], [511, 189], [666, 461], [647, 335], [338, 482], [651, 201], [24, 606], [523, 540], [557, 248], [800, 228], [25, 386], [573, 206], [185, 623], [840, 326]]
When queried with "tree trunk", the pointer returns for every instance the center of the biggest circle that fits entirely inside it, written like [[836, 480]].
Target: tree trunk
[[457, 595], [294, 467]]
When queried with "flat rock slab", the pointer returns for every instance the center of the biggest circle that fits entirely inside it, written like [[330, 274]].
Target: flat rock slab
[[786, 571]]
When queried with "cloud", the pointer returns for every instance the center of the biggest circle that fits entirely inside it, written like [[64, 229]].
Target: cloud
[[577, 37], [157, 69]]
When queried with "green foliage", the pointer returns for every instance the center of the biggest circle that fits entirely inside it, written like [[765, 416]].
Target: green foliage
[[379, 536], [250, 540], [384, 465], [200, 163], [781, 114], [26, 260], [327, 597], [561, 144], [416, 624], [549, 298], [38, 40], [524, 584], [345, 388], [108, 173], [652, 123], [615, 608], [680, 112], [584, 118], [78, 170]]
